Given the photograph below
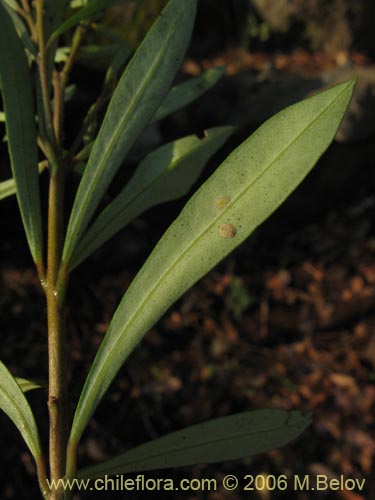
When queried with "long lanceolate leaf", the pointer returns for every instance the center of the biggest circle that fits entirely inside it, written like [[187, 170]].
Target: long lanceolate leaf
[[251, 183], [166, 174], [140, 91], [16, 89], [15, 405], [225, 438]]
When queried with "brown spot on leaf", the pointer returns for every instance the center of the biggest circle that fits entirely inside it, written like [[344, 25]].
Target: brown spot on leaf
[[221, 202], [227, 231]]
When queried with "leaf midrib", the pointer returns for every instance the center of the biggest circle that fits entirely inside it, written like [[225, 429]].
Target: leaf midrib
[[118, 338], [171, 167], [111, 145], [176, 448], [12, 403]]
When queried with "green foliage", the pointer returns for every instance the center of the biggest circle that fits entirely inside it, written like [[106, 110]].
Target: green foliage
[[18, 102], [225, 438], [7, 188], [164, 175], [15, 405], [249, 185], [138, 95], [183, 94], [27, 385], [11, 8]]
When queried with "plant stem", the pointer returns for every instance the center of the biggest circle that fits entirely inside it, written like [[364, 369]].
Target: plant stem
[[26, 15], [58, 401], [60, 81], [43, 73], [57, 359]]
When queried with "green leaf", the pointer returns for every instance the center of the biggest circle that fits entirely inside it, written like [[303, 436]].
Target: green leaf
[[77, 4], [7, 188], [11, 3], [27, 385], [139, 93], [226, 438], [95, 52], [62, 54], [121, 56], [90, 9], [15, 405], [82, 155], [251, 183], [16, 89], [11, 8], [187, 92], [166, 174]]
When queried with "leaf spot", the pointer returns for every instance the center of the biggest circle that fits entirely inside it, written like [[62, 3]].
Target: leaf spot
[[221, 202], [227, 231]]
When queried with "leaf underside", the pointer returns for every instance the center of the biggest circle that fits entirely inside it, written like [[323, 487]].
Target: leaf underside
[[16, 89], [251, 183], [164, 175], [15, 405], [140, 91], [225, 438]]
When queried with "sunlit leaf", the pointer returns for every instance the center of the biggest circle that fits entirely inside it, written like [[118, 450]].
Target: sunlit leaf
[[77, 4], [27, 385], [16, 89], [140, 91], [84, 154], [250, 184], [7, 188], [226, 438], [15, 405], [62, 54], [166, 174], [11, 3], [183, 94]]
